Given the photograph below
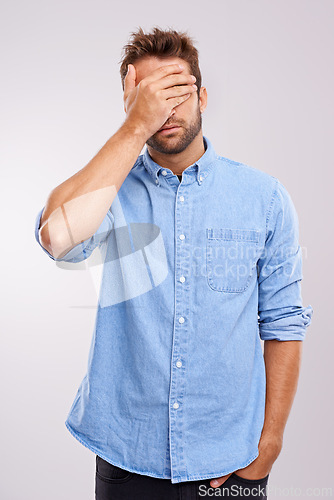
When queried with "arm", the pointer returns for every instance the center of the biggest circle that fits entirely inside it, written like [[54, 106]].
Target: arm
[[77, 207], [282, 361]]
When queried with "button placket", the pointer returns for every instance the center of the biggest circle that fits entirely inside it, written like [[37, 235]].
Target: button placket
[[181, 330]]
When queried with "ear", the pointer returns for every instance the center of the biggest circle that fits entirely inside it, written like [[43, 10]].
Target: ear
[[203, 99]]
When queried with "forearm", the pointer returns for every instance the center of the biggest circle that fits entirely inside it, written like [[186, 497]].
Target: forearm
[[282, 362], [75, 209]]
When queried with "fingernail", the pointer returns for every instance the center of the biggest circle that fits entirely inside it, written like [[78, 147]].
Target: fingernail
[[214, 483], [181, 66]]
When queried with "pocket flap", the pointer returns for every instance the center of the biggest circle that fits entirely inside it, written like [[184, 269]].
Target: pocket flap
[[233, 234]]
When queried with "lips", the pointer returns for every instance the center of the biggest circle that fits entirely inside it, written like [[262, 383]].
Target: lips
[[168, 127]]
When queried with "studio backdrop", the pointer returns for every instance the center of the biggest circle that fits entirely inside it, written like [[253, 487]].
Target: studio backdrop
[[267, 67]]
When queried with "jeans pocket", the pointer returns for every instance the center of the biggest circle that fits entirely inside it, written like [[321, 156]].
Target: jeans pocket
[[111, 473], [231, 258], [250, 481]]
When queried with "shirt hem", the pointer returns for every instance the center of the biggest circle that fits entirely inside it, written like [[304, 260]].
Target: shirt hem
[[213, 475], [175, 479]]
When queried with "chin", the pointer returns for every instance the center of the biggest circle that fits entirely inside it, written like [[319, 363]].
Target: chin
[[170, 144]]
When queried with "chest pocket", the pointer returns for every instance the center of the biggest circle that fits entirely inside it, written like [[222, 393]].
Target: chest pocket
[[231, 257]]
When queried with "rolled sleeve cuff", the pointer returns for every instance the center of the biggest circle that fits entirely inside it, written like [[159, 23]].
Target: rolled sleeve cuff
[[287, 328]]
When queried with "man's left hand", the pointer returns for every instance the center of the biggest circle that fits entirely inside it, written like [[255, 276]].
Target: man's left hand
[[269, 449]]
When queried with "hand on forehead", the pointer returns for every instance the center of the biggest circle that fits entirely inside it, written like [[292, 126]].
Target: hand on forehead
[[146, 66]]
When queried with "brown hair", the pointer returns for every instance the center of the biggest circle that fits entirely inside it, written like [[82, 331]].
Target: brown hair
[[161, 43]]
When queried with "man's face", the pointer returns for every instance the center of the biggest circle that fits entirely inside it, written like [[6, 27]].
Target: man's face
[[186, 115]]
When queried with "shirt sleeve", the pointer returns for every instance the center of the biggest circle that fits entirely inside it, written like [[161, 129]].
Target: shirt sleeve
[[281, 314], [82, 250]]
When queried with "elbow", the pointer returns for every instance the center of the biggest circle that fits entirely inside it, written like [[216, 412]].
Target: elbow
[[53, 243]]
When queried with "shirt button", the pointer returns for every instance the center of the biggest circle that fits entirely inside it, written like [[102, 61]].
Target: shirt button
[[181, 320], [182, 279], [200, 177], [156, 181], [164, 172], [181, 236], [179, 364], [176, 405], [181, 198]]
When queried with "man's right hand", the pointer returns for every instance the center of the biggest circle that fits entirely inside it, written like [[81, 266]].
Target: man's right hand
[[149, 104]]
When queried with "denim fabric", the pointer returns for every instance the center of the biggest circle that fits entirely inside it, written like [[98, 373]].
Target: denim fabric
[[195, 274]]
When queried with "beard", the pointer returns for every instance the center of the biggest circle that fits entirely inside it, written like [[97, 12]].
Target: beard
[[180, 140]]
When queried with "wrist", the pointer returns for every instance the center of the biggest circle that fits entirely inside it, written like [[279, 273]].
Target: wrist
[[136, 130], [272, 440]]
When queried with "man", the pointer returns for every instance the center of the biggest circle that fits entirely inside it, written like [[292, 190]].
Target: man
[[201, 263]]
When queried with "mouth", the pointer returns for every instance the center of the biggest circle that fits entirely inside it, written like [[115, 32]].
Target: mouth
[[168, 129]]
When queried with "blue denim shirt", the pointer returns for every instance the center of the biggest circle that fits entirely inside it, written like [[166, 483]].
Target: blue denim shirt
[[195, 274]]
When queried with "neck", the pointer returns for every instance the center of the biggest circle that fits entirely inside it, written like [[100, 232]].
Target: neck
[[180, 161]]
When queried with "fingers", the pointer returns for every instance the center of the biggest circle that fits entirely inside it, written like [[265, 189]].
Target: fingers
[[178, 91], [129, 80], [172, 80], [163, 71], [176, 101], [163, 77], [219, 481]]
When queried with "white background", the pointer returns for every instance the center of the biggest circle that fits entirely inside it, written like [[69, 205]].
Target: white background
[[268, 70]]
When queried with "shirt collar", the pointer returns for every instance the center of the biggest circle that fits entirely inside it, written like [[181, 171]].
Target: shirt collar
[[200, 168]]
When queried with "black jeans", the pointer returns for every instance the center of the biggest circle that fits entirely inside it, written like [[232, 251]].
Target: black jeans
[[114, 483]]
